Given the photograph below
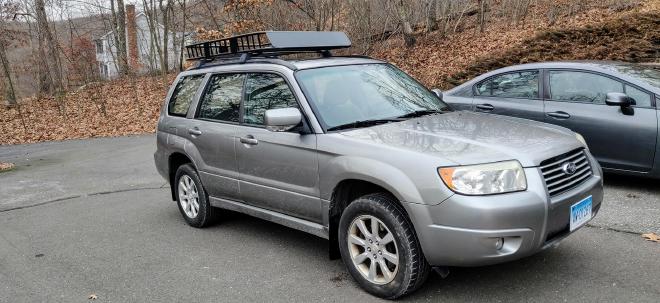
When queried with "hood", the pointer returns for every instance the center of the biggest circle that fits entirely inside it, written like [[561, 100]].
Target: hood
[[472, 138]]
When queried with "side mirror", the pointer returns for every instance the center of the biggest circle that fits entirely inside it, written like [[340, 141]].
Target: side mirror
[[619, 99], [437, 92], [282, 119]]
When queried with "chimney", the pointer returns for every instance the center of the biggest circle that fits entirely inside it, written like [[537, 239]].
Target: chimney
[[131, 37]]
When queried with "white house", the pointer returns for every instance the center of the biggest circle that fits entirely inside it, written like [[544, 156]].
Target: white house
[[140, 44]]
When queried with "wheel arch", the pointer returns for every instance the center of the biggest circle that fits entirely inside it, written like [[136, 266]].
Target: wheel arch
[[345, 192], [174, 161]]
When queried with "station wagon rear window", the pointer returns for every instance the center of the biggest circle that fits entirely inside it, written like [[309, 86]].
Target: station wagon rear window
[[183, 94]]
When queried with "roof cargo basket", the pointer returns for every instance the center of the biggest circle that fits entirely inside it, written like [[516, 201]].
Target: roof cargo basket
[[270, 43]]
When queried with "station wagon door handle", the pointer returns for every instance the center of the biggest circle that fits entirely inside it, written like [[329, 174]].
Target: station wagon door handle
[[559, 115], [195, 131], [250, 140], [485, 107]]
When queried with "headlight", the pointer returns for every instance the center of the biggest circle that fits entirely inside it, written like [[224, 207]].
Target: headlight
[[485, 179], [581, 139]]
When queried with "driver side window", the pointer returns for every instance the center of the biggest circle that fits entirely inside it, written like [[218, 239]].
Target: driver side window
[[264, 92], [573, 86]]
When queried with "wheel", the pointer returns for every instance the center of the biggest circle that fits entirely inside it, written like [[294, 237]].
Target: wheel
[[379, 247], [191, 197]]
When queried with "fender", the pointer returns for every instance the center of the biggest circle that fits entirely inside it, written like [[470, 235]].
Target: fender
[[370, 170]]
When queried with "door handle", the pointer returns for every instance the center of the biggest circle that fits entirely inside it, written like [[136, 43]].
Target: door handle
[[249, 140], [195, 131], [485, 107], [559, 115]]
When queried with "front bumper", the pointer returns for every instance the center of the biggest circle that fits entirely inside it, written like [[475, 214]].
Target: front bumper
[[465, 230]]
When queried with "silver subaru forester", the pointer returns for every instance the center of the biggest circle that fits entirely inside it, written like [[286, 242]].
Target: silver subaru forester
[[354, 150]]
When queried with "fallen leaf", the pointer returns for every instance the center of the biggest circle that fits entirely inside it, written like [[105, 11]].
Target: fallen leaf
[[653, 237], [6, 166], [92, 297]]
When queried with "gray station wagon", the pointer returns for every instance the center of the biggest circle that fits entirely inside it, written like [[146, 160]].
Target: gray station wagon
[[614, 105], [354, 150]]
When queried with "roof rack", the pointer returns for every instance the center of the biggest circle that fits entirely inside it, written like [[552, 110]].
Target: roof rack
[[269, 43]]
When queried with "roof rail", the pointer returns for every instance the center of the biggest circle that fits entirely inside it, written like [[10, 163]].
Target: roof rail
[[269, 43]]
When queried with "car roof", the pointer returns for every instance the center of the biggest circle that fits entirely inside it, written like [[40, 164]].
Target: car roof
[[607, 67]]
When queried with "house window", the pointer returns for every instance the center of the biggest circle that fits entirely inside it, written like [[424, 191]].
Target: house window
[[99, 46]]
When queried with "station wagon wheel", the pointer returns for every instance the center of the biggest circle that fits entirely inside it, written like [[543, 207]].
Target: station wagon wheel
[[373, 249], [188, 196], [379, 246], [191, 197]]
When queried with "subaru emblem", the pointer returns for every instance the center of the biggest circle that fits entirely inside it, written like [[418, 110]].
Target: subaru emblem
[[569, 168]]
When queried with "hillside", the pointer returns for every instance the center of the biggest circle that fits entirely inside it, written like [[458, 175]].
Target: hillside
[[610, 31], [626, 33]]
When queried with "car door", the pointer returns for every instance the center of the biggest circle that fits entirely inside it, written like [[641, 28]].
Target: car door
[[516, 94], [619, 139], [278, 170], [213, 133]]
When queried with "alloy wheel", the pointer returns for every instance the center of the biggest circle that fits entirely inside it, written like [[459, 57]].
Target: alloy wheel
[[373, 249], [188, 196]]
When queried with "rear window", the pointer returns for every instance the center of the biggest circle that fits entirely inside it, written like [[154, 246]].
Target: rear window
[[184, 92]]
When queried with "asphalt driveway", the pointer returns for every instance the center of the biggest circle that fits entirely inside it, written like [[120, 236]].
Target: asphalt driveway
[[93, 217]]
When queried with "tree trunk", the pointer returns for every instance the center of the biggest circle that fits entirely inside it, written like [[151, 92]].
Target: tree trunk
[[165, 9], [47, 41], [408, 37], [119, 31], [482, 15], [431, 15], [9, 85]]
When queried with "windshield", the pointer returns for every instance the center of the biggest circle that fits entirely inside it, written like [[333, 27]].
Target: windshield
[[647, 73], [350, 93]]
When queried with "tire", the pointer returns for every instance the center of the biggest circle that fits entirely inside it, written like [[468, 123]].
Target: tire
[[187, 187], [412, 269]]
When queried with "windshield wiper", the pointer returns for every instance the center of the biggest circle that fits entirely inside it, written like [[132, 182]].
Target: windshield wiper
[[419, 113], [362, 123]]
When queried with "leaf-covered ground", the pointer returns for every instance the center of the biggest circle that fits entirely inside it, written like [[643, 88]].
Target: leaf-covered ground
[[130, 106], [124, 107], [599, 32]]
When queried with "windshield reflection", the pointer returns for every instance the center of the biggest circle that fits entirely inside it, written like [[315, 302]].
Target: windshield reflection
[[345, 94]]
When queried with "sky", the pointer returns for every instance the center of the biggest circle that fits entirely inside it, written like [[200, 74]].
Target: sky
[[63, 9]]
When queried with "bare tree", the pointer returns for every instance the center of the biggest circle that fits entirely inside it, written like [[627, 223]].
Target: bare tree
[[6, 36], [118, 20], [431, 11], [404, 12], [166, 11], [48, 50]]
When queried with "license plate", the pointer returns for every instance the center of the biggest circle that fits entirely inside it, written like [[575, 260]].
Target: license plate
[[580, 213]]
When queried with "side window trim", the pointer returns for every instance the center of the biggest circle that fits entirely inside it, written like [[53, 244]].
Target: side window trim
[[624, 83], [244, 97], [540, 87], [207, 82]]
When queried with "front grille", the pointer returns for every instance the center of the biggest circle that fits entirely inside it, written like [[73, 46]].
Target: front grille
[[557, 180]]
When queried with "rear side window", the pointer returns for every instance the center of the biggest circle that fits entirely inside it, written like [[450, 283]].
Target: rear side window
[[264, 92], [183, 94], [222, 99], [524, 84], [575, 86]]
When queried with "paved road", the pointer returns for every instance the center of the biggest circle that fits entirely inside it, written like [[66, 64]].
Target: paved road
[[91, 216]]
